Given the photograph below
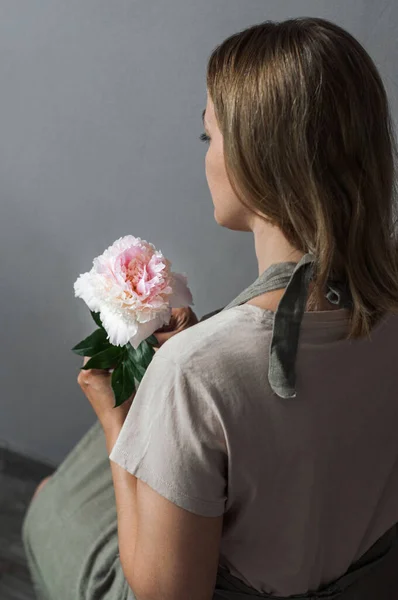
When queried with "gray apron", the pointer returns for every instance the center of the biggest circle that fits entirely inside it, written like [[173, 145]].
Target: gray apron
[[295, 277]]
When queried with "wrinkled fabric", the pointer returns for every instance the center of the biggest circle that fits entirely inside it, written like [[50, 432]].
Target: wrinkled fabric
[[68, 517]]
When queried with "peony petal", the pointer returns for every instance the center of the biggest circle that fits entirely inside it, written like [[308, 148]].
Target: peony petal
[[85, 289], [118, 330], [133, 300], [181, 295], [142, 284], [144, 330]]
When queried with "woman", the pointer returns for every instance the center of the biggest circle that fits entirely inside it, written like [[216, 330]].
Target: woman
[[259, 455]]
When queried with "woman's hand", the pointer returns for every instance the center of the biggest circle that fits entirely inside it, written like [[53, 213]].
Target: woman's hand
[[181, 318], [96, 383]]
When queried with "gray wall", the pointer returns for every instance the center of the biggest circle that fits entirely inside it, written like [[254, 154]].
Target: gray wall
[[100, 113]]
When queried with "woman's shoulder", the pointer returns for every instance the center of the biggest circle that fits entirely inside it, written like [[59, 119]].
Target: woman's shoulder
[[217, 337]]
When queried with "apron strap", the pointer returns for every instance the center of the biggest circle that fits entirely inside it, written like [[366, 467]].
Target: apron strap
[[295, 277], [286, 329]]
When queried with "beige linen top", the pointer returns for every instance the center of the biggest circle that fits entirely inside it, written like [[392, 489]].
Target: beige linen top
[[305, 484]]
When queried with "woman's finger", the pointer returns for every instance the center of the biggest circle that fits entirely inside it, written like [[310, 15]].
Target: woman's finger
[[181, 319]]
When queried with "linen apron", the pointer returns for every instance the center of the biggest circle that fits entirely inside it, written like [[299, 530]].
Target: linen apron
[[70, 528]]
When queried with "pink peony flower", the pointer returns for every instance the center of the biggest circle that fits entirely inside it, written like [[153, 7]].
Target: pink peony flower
[[133, 288]]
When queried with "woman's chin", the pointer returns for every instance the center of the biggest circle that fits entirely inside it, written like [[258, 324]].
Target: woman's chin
[[218, 219], [229, 223]]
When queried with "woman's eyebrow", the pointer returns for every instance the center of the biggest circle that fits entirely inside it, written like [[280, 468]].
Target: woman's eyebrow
[[203, 117]]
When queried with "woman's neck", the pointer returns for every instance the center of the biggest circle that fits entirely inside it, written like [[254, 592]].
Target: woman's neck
[[270, 301], [272, 247]]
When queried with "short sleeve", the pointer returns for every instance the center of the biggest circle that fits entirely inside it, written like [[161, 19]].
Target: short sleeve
[[173, 439]]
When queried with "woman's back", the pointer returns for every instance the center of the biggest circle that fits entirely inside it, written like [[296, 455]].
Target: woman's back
[[294, 451], [312, 480]]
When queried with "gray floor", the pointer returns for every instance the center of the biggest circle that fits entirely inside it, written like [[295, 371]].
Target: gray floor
[[19, 477]]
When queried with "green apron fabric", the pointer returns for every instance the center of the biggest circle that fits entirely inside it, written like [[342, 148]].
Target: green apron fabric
[[70, 528]]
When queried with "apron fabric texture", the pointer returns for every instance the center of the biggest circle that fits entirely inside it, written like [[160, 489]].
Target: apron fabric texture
[[70, 528]]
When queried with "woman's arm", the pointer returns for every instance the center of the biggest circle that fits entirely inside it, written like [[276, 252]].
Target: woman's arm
[[125, 486], [166, 552]]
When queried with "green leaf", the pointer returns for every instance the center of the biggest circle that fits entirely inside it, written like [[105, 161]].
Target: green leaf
[[132, 352], [152, 340], [94, 343], [138, 370], [107, 359], [135, 359], [135, 354], [122, 382], [147, 353], [129, 365], [96, 317], [139, 354]]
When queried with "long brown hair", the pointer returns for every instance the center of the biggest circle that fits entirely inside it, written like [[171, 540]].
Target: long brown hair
[[309, 146]]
